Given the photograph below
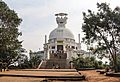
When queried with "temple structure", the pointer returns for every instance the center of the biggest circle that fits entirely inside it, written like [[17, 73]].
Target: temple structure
[[61, 46]]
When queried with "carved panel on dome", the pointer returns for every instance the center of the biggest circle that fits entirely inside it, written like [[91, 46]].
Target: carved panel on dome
[[60, 41]]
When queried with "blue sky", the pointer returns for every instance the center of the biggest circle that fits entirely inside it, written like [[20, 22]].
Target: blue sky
[[39, 20]]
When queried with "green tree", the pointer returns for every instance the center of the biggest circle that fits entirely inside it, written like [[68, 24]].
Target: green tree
[[83, 62], [35, 61], [22, 61], [103, 29], [9, 43]]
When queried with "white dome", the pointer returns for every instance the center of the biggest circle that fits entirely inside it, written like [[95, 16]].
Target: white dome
[[61, 33]]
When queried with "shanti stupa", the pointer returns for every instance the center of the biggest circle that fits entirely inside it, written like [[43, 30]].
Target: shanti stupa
[[61, 46]]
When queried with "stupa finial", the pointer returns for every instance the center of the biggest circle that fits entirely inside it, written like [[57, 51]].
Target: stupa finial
[[61, 19]]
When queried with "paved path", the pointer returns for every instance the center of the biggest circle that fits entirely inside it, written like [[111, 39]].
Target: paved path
[[93, 76]]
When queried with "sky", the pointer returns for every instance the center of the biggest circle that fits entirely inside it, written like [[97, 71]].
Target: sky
[[38, 18]]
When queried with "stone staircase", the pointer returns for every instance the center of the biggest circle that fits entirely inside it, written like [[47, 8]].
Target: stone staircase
[[54, 64], [57, 61]]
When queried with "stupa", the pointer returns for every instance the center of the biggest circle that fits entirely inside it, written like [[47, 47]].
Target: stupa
[[61, 46]]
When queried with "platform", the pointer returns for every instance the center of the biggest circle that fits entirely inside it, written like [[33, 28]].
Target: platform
[[50, 74], [49, 70]]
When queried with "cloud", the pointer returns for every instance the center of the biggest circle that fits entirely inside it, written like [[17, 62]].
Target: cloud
[[35, 13]]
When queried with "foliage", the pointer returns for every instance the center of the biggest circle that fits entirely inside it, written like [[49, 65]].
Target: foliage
[[32, 63], [118, 62], [35, 61], [87, 62], [103, 29], [22, 60], [9, 43]]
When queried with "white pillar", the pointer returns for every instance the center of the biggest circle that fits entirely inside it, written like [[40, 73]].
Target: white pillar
[[45, 39], [78, 38]]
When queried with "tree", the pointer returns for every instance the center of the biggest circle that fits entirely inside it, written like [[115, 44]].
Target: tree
[[35, 61], [103, 29], [85, 62], [9, 43], [22, 61]]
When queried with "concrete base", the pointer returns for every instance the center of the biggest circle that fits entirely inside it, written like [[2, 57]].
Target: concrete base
[[48, 74], [112, 74], [80, 77]]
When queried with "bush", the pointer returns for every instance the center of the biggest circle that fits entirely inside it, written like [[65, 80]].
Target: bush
[[87, 62]]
